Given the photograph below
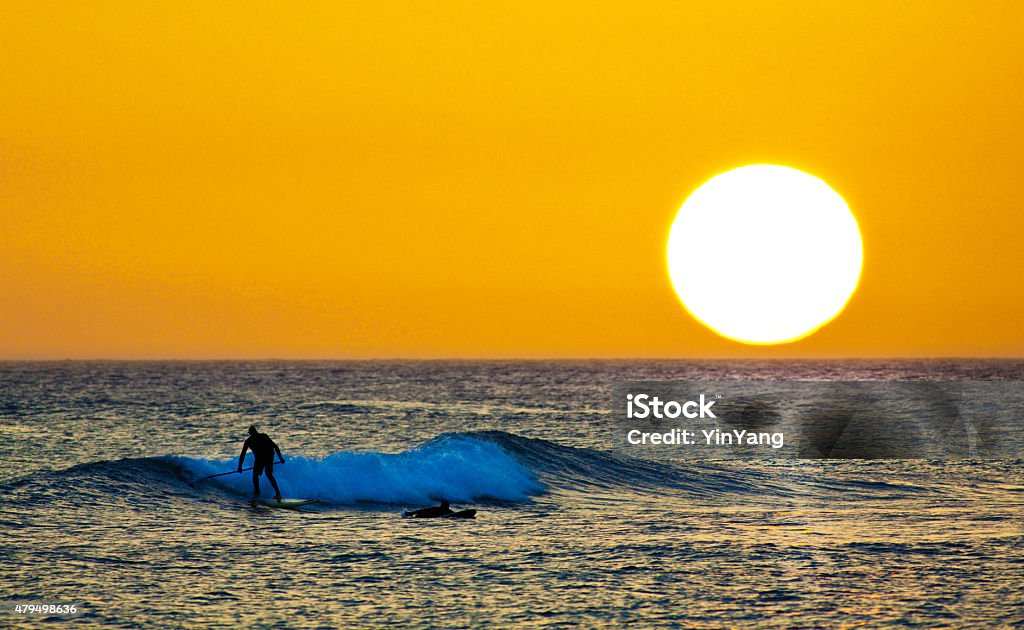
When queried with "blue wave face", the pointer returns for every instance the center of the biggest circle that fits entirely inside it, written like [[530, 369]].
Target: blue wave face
[[455, 467]]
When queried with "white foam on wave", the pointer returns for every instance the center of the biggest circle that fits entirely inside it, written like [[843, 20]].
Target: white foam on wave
[[457, 468]]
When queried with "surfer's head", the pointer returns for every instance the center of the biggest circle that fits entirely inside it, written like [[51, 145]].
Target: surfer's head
[[444, 504], [252, 429]]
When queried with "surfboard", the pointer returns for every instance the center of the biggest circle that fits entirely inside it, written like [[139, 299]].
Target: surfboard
[[288, 504], [470, 513]]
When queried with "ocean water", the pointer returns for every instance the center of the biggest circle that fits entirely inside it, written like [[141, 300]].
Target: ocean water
[[572, 529]]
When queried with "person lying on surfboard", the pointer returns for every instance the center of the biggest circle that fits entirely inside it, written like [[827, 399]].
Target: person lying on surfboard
[[438, 511], [431, 512], [263, 449]]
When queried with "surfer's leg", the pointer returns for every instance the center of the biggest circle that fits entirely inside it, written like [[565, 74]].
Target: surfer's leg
[[268, 470], [273, 482], [257, 469]]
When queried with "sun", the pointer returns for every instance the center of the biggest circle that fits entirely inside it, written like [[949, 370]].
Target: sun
[[764, 254]]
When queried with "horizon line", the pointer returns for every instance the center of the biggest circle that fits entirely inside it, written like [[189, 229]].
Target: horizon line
[[497, 359]]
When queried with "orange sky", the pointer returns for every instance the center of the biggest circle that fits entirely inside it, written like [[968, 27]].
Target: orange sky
[[362, 179]]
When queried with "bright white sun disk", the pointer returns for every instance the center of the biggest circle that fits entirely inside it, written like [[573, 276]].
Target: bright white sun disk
[[764, 254]]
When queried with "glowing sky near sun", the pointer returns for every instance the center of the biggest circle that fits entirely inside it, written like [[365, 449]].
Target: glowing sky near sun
[[332, 179]]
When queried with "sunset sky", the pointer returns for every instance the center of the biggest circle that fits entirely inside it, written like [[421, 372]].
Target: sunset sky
[[373, 180]]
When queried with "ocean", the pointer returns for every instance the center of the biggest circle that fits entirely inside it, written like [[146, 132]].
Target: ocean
[[572, 528]]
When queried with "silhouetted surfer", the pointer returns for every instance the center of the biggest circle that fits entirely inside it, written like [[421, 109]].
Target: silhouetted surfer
[[431, 512], [263, 449]]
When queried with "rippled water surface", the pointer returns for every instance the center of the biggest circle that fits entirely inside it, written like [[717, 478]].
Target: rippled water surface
[[571, 531]]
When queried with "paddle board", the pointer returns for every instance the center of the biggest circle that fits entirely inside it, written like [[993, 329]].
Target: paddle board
[[288, 504]]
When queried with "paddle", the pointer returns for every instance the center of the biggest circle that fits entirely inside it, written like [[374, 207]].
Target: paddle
[[230, 472]]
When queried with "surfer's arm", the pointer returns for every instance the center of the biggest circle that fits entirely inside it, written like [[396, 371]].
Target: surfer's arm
[[279, 455], [241, 458]]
